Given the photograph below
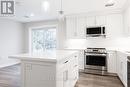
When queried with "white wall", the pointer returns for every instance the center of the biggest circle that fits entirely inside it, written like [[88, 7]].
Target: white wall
[[11, 41], [60, 33]]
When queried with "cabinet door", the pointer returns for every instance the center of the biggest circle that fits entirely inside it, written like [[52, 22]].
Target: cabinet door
[[127, 22], [124, 70], [37, 75], [73, 70], [65, 78], [114, 26], [112, 62], [81, 60], [91, 21], [71, 26], [118, 64], [81, 27], [122, 67], [100, 20]]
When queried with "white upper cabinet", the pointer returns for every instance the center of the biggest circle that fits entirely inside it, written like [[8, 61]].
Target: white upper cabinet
[[100, 20], [127, 22], [114, 27], [81, 27], [91, 21], [96, 21], [75, 27], [71, 26]]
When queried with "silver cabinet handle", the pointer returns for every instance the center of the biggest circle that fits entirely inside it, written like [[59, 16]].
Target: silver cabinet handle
[[65, 77], [75, 65], [66, 61]]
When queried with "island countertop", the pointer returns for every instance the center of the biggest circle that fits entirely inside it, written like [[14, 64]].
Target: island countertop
[[50, 56]]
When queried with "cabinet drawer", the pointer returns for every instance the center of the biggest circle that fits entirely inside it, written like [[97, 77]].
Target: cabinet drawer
[[62, 64]]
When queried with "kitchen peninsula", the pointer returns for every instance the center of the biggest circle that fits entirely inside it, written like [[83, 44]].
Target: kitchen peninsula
[[49, 69]]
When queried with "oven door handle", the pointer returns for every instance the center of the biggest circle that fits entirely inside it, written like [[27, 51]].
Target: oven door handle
[[88, 54]]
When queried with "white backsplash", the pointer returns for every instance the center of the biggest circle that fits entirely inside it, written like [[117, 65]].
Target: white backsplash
[[113, 44]]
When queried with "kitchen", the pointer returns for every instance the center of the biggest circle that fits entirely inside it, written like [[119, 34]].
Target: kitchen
[[60, 45]]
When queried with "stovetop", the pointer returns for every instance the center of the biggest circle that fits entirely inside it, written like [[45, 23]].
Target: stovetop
[[96, 50]]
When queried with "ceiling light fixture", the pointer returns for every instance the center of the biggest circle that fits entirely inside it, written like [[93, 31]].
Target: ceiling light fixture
[[61, 12], [45, 5], [110, 3]]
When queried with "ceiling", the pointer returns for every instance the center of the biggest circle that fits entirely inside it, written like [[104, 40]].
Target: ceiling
[[33, 10]]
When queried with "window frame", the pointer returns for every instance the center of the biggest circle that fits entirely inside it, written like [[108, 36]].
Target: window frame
[[38, 27]]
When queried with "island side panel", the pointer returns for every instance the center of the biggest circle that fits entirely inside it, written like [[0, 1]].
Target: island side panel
[[67, 71], [38, 74]]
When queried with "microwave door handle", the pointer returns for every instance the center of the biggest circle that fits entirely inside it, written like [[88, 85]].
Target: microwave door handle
[[101, 30]]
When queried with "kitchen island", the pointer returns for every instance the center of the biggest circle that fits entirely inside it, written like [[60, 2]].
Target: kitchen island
[[49, 69]]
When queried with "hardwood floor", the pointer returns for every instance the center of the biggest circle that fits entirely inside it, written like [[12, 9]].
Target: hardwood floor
[[10, 77], [88, 80]]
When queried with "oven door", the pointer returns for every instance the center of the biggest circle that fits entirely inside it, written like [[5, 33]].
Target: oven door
[[95, 30], [96, 61]]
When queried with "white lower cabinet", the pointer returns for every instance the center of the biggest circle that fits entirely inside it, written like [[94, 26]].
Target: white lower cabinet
[[81, 60], [47, 74], [117, 63], [112, 62], [122, 67]]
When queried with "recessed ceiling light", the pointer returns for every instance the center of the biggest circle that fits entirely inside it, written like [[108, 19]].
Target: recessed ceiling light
[[45, 5], [31, 15]]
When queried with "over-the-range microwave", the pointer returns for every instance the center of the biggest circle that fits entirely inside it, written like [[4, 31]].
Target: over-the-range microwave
[[95, 31]]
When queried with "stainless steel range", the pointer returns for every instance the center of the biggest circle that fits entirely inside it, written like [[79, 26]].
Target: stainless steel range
[[96, 61]]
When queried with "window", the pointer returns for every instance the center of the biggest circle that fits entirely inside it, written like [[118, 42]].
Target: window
[[43, 39]]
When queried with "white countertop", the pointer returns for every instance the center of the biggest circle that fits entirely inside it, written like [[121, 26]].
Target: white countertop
[[50, 56]]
